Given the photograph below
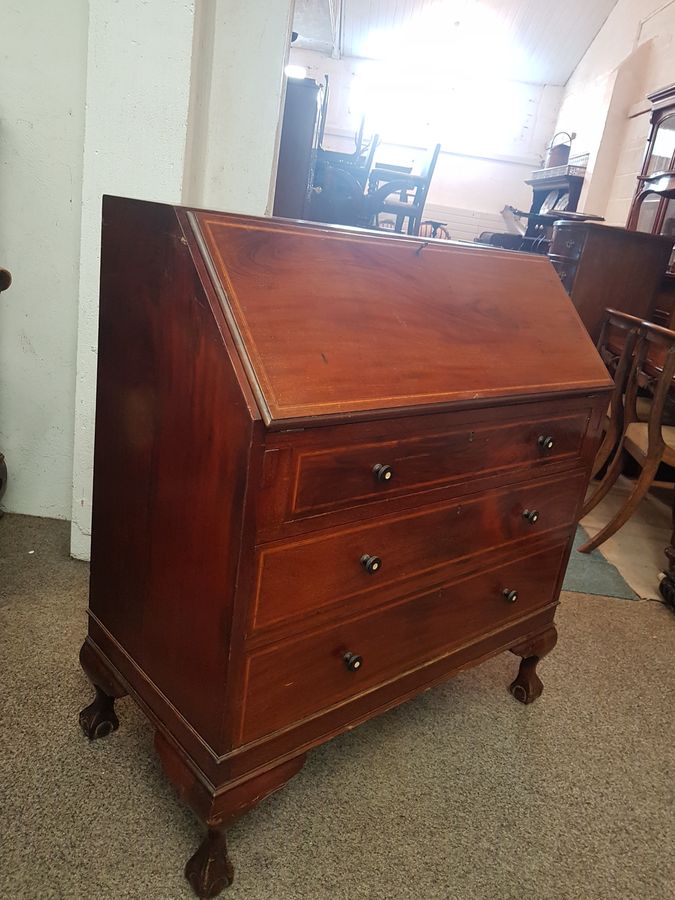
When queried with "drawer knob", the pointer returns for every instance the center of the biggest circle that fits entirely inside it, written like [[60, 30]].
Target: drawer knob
[[509, 595], [353, 661], [383, 473], [371, 564], [545, 442], [531, 516]]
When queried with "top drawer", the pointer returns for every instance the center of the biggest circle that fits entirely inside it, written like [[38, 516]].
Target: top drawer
[[334, 469], [568, 243]]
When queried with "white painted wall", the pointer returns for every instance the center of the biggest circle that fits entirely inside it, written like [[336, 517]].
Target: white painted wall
[[42, 78], [138, 93], [493, 133], [236, 104], [605, 100], [197, 91]]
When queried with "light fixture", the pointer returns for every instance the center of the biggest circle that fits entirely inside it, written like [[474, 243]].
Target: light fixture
[[295, 71]]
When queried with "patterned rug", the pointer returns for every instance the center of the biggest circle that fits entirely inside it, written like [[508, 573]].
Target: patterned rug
[[591, 573]]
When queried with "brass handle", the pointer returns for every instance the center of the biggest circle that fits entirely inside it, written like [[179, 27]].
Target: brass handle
[[371, 564], [531, 516], [545, 442], [353, 661], [509, 595], [383, 473]]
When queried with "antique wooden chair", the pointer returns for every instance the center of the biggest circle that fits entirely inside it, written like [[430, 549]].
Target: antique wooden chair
[[339, 185], [412, 193], [616, 345], [650, 442]]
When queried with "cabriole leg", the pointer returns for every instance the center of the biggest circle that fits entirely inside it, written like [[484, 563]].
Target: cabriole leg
[[98, 719], [209, 871], [528, 685]]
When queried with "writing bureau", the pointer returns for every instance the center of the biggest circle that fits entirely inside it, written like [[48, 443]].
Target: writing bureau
[[332, 468]]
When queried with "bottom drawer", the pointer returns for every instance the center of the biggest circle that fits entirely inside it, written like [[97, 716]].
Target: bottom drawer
[[290, 681]]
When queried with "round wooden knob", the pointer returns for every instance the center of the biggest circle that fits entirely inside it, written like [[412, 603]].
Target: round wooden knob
[[383, 473], [371, 564], [509, 595], [531, 516], [545, 442], [5, 279], [353, 661]]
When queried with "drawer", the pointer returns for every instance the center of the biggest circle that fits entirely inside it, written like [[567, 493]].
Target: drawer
[[291, 681], [566, 271], [567, 243], [307, 478], [365, 565]]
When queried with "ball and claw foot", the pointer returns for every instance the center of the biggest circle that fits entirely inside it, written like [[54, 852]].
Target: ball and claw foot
[[209, 871], [98, 719], [527, 685]]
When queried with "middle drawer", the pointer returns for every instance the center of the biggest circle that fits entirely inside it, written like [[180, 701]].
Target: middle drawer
[[380, 560]]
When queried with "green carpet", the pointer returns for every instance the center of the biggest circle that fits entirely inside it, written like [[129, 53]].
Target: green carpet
[[591, 573]]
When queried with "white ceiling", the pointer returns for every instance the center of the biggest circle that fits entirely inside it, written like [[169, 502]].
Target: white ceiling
[[539, 41]]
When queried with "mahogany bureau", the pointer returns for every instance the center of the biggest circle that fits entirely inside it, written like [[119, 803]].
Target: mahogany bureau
[[332, 468]]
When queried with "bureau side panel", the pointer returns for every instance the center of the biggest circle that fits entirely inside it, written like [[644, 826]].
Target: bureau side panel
[[173, 433]]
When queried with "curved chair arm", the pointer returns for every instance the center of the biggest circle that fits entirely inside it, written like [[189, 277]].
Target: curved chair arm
[[410, 182], [397, 180]]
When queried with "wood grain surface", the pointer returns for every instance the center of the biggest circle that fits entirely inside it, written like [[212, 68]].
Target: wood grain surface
[[331, 323]]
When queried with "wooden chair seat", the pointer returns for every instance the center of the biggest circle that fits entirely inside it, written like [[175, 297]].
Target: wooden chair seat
[[637, 441]]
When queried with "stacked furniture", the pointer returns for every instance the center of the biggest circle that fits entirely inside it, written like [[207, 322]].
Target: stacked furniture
[[653, 210], [602, 266], [352, 466], [401, 195]]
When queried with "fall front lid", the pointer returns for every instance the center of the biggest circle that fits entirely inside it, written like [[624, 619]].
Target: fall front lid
[[333, 323]]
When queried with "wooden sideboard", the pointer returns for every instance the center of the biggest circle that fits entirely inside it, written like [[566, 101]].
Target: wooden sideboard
[[332, 468], [601, 266]]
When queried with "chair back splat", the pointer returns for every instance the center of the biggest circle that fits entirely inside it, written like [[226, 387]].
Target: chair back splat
[[616, 345], [400, 194], [651, 370]]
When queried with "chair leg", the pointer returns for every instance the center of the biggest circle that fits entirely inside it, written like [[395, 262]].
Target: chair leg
[[606, 484], [640, 488], [605, 449]]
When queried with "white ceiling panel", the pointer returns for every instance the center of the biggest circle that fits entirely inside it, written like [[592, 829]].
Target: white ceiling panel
[[539, 41]]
